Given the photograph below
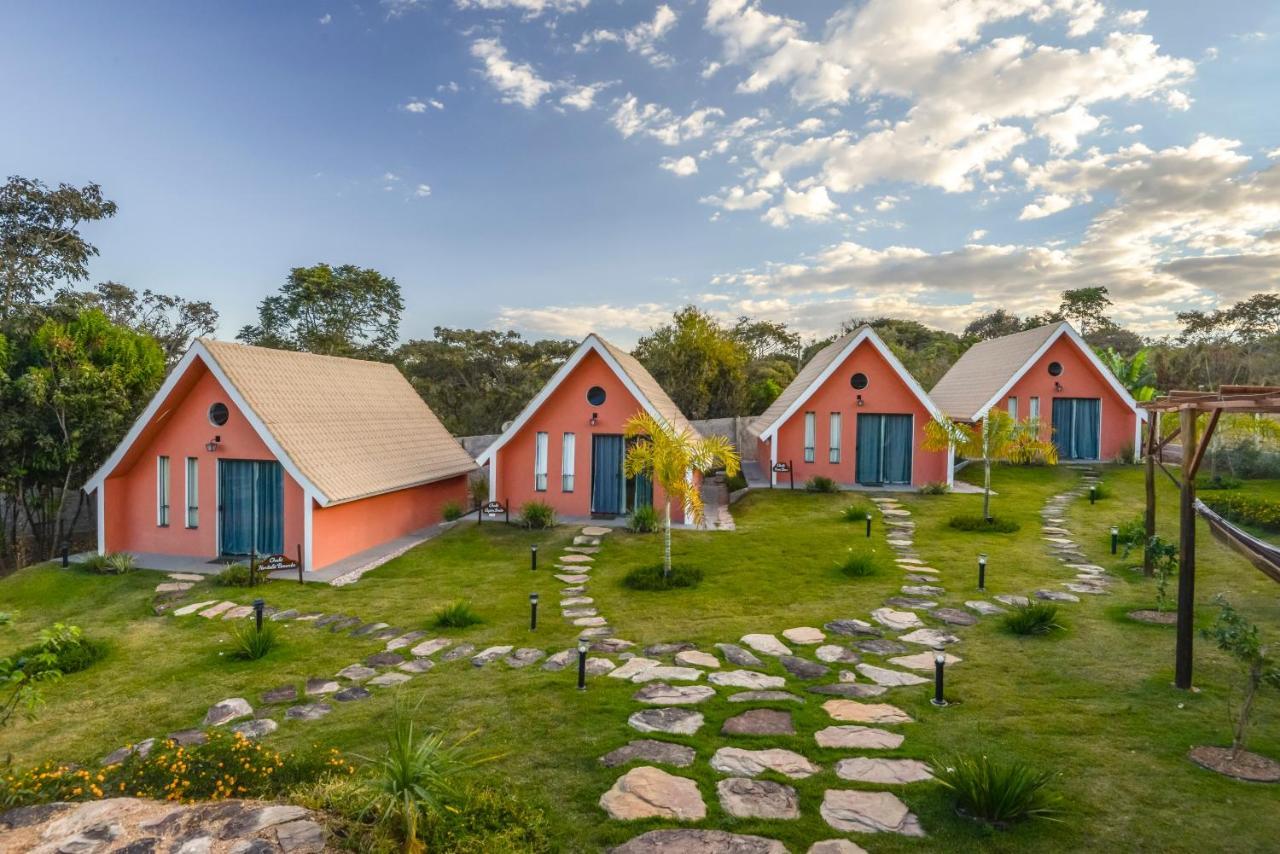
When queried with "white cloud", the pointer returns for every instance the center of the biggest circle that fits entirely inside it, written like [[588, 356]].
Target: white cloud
[[631, 117], [1046, 206], [517, 82], [575, 321], [531, 8], [977, 234], [326, 19], [390, 176], [1132, 18], [1064, 129], [413, 105], [642, 39], [813, 204], [887, 203], [583, 97], [451, 86], [422, 191], [710, 68], [682, 166], [1133, 129], [739, 199]]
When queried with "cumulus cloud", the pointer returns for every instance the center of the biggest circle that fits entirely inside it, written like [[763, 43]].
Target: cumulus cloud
[[517, 82], [530, 8], [641, 39], [631, 117], [575, 321], [682, 166], [739, 199], [812, 204], [1046, 206], [422, 191]]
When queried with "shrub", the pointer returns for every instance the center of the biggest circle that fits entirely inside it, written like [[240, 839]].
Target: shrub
[[536, 515], [1218, 481], [1124, 456], [859, 565], [1239, 638], [1035, 618], [62, 649], [856, 513], [95, 563], [479, 490], [644, 520], [1100, 491], [250, 643], [818, 483], [238, 575], [935, 487], [998, 793], [1164, 560], [736, 481], [1132, 534], [652, 578], [975, 522], [119, 563], [456, 615], [1247, 509], [451, 511]]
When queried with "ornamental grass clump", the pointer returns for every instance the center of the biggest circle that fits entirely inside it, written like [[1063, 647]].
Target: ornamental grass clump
[[456, 615], [251, 642], [856, 513], [653, 577], [818, 483], [859, 565], [998, 793], [983, 525], [644, 520], [536, 515], [451, 511], [240, 575], [1035, 618]]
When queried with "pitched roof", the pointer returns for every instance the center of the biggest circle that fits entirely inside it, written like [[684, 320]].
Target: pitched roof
[[819, 368], [634, 376], [344, 428], [988, 369]]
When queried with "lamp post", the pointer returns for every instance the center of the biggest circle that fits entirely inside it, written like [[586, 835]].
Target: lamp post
[[258, 607], [939, 664], [533, 557], [66, 555], [583, 646], [533, 611], [1115, 538], [982, 572]]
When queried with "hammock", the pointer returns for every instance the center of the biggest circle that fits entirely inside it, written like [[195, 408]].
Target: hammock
[[1265, 556]]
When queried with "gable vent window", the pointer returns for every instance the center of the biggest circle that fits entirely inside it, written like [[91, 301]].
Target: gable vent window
[[595, 395], [858, 381], [218, 414], [1055, 369]]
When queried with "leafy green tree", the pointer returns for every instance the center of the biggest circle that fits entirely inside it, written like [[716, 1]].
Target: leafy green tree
[[1239, 638], [996, 438], [40, 240], [476, 380], [767, 339], [335, 311], [173, 321], [1133, 373], [925, 352], [699, 362], [997, 324]]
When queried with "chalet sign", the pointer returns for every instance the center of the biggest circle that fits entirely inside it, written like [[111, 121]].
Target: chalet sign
[[274, 563], [494, 508]]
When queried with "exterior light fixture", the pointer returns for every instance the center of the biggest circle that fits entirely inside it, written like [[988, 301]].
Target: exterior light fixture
[[583, 646], [868, 523], [533, 611], [939, 664], [595, 419], [982, 572], [533, 557], [66, 554], [258, 607], [1115, 538], [860, 401], [212, 444], [1057, 386], [1093, 493]]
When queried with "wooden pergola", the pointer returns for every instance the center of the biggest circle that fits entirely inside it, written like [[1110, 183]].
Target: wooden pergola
[[1190, 405]]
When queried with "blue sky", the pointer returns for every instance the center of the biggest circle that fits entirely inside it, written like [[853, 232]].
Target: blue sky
[[563, 165]]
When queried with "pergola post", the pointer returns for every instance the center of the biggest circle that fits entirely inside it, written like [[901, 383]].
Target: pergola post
[[1186, 549], [1153, 433]]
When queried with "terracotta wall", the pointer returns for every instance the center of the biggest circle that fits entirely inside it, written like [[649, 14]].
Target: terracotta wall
[[345, 529]]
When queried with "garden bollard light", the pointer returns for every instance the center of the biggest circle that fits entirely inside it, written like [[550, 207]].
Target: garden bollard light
[[533, 611], [533, 557], [1093, 493], [982, 572], [939, 662], [868, 523], [1115, 538], [583, 646], [258, 607], [66, 555]]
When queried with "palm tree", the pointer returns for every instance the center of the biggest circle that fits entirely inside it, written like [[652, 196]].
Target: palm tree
[[668, 457], [1133, 373], [998, 437]]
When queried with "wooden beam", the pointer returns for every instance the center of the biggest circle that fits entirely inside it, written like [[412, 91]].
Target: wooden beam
[[1204, 442], [1167, 439], [1153, 430], [1186, 552]]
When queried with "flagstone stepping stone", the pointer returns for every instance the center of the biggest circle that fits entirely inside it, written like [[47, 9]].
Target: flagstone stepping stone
[[256, 728], [848, 689], [576, 578], [388, 633], [356, 672], [744, 798], [669, 719], [866, 769], [923, 590], [417, 665], [919, 578], [575, 590], [611, 645], [899, 543], [858, 737], [188, 737], [910, 602], [648, 792], [851, 628], [1013, 600], [582, 550], [173, 586], [573, 613], [314, 615], [430, 647], [899, 621], [239, 612], [307, 712], [576, 558], [865, 713], [746, 679], [325, 620], [889, 678], [220, 608], [924, 660], [404, 640], [571, 601], [386, 680], [882, 646], [601, 631], [695, 658], [1055, 596], [856, 811], [634, 666], [316, 687], [185, 576], [185, 610], [344, 624], [1090, 589], [804, 635], [953, 616], [460, 651], [929, 637], [349, 694], [836, 846], [560, 660], [802, 668], [833, 654], [735, 654], [983, 607], [228, 710], [586, 541], [599, 666], [662, 694], [764, 697], [739, 762], [759, 722], [677, 841], [368, 629], [282, 616], [493, 653], [767, 644], [523, 657], [595, 531], [385, 659], [658, 649], [650, 750]]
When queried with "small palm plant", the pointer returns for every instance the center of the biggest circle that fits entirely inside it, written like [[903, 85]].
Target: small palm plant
[[668, 457], [998, 793], [998, 437]]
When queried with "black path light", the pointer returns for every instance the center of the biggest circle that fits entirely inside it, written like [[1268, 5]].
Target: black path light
[[982, 572], [1093, 493], [258, 607], [583, 646], [66, 555], [1115, 538], [939, 665], [868, 523], [533, 556], [533, 611]]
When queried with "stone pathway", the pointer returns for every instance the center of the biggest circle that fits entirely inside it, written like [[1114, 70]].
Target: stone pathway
[[1088, 579]]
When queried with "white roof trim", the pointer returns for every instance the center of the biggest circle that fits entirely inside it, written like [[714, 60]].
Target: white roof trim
[[589, 344], [867, 334], [1067, 329], [199, 351]]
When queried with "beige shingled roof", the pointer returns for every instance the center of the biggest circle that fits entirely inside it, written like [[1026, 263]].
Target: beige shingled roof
[[965, 390], [649, 387], [805, 378], [352, 428]]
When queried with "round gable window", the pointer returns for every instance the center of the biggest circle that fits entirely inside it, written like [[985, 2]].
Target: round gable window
[[218, 414], [595, 395], [858, 381], [1055, 369]]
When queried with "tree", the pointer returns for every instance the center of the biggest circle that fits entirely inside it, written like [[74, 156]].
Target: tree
[[1086, 309], [699, 362], [926, 353], [767, 339], [334, 311], [1239, 638], [476, 380], [668, 457], [1132, 373], [173, 321], [40, 241], [997, 437], [997, 324]]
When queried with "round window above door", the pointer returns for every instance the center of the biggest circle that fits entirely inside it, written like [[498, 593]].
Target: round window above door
[[595, 395], [858, 381], [218, 414], [1055, 369]]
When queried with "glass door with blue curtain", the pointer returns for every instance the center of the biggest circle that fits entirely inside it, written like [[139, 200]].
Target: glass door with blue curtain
[[250, 507], [883, 452], [608, 481], [1077, 427]]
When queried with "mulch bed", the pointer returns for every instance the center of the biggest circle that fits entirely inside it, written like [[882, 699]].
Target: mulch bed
[[1244, 766], [1158, 618]]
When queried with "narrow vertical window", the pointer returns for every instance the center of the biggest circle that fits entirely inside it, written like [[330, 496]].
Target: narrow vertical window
[[810, 435], [835, 438], [162, 492], [540, 462], [193, 492], [566, 462], [1034, 414], [1013, 408]]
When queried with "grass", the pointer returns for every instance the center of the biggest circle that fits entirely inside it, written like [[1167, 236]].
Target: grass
[[998, 793], [859, 565], [456, 615], [1034, 618], [250, 643], [1098, 707], [975, 523], [652, 577]]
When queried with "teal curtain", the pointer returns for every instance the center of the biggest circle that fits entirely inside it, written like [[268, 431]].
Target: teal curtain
[[870, 443], [235, 492], [643, 492], [1063, 426], [608, 483], [1076, 425], [896, 468], [269, 504]]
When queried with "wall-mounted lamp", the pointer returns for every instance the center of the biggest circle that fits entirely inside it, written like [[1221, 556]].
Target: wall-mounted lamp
[[212, 444], [860, 403], [1057, 386], [595, 419]]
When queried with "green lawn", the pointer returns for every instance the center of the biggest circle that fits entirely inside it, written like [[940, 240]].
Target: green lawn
[[1094, 703]]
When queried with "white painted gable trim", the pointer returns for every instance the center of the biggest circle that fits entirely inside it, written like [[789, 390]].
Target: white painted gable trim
[[199, 351], [1068, 330], [869, 335], [589, 344]]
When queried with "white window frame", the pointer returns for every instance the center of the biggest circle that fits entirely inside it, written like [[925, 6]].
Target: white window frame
[[833, 442], [540, 462], [162, 491], [810, 436], [1013, 407], [568, 449], [1034, 408], [192, 475]]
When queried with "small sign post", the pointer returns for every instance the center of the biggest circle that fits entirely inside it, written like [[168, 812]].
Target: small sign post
[[492, 509], [277, 563], [784, 468]]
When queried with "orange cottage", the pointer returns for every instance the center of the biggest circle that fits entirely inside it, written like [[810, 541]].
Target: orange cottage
[[251, 450], [853, 414], [566, 447]]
